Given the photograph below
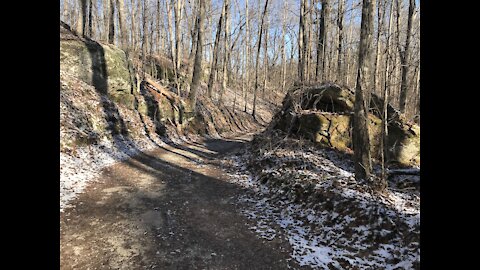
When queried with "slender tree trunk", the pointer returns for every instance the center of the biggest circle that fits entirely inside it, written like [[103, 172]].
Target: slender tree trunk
[[319, 74], [341, 4], [380, 17], [284, 62], [197, 67], [133, 38], [349, 50], [215, 53], [178, 7], [144, 50], [386, 96], [193, 30], [111, 22], [404, 55], [305, 42], [90, 18], [82, 19], [308, 41], [301, 44], [122, 23], [173, 47], [257, 58], [265, 57], [361, 141], [247, 55], [226, 52]]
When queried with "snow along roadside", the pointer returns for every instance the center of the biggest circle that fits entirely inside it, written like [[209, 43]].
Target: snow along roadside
[[320, 240], [77, 171]]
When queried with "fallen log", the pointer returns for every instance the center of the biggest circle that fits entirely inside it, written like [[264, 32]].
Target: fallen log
[[410, 171]]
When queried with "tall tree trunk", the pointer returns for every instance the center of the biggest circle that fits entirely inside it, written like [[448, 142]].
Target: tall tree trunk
[[111, 22], [284, 62], [213, 68], [133, 38], [178, 6], [226, 52], [257, 59], [361, 141], [122, 23], [197, 67], [386, 95], [321, 46], [308, 42], [341, 5], [144, 36], [82, 19], [90, 18], [349, 50], [301, 44], [404, 58], [380, 17], [265, 57], [173, 47], [247, 56]]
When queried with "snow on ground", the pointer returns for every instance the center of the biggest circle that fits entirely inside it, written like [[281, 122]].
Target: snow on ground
[[331, 222], [86, 143], [79, 169]]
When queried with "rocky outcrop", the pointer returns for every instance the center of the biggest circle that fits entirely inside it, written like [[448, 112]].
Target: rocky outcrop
[[103, 66], [324, 114], [107, 69]]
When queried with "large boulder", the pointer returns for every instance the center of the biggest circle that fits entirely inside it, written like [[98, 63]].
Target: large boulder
[[324, 114], [103, 66]]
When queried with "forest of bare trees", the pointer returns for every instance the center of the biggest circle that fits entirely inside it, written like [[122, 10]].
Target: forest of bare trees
[[293, 125], [304, 40], [262, 47]]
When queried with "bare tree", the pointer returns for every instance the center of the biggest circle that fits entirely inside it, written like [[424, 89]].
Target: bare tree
[[284, 60], [301, 42], [213, 67], [122, 23], [361, 141], [90, 18], [257, 60], [226, 52], [341, 5], [111, 22], [404, 56], [384, 154], [247, 55], [380, 18], [82, 19], [265, 56], [197, 67], [321, 46]]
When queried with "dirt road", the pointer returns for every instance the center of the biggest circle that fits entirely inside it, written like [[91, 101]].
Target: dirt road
[[167, 209]]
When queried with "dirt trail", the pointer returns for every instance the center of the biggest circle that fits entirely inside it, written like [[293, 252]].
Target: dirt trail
[[167, 209]]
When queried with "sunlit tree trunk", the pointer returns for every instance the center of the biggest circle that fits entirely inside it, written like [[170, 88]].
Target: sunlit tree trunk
[[404, 56], [340, 73], [197, 67], [361, 141], [82, 19], [216, 48], [226, 52], [257, 59], [247, 56]]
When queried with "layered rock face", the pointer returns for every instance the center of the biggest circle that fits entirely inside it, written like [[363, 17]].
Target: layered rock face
[[324, 114], [105, 71]]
